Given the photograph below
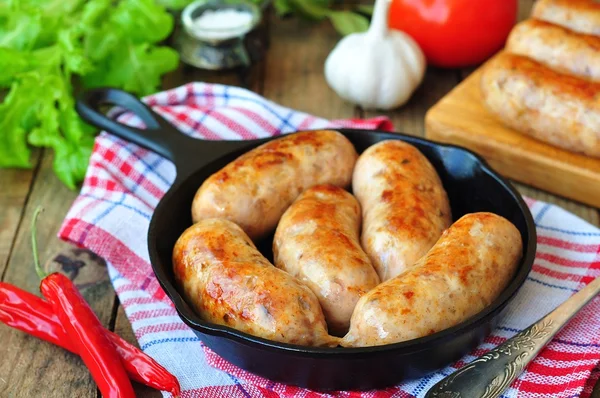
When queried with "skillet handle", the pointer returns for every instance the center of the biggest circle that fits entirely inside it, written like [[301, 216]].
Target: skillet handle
[[159, 136]]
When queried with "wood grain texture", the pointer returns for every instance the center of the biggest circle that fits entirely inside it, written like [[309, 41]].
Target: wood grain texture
[[294, 74], [461, 118], [30, 367], [15, 185], [409, 119]]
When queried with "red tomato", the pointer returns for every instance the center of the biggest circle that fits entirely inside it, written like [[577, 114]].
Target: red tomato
[[455, 33]]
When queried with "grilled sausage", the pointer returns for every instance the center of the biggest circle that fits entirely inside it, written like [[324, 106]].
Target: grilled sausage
[[556, 108], [581, 16], [404, 205], [557, 47], [228, 282], [464, 272], [317, 241], [254, 190]]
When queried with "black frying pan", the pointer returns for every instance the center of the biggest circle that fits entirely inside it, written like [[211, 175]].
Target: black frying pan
[[471, 185]]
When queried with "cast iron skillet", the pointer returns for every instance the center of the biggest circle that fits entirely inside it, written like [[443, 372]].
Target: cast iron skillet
[[471, 185]]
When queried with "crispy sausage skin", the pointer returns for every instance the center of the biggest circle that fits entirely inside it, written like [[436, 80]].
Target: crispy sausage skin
[[254, 190], [228, 282], [559, 48], [464, 272], [556, 108], [405, 207], [317, 241], [581, 16]]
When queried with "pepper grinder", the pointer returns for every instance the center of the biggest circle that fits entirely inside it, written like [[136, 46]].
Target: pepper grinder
[[205, 44]]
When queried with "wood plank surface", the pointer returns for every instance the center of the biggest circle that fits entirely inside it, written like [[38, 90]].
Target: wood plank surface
[[31, 367], [15, 185], [294, 68], [408, 119]]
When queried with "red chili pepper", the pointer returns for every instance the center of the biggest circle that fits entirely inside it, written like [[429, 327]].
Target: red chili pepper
[[86, 331], [84, 328], [29, 313]]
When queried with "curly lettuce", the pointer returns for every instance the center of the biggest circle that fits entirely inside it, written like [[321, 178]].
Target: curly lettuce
[[47, 45]]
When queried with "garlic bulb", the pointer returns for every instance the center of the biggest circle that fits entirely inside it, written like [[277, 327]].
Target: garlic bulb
[[377, 69]]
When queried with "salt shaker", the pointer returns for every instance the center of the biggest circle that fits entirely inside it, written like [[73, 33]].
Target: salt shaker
[[213, 33]]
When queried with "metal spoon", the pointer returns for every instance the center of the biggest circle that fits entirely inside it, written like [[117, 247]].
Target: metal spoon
[[490, 374]]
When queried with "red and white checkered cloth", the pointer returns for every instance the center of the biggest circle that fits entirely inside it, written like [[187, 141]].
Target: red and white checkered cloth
[[125, 182]]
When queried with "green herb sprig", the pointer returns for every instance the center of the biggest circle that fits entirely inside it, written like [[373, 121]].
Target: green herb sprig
[[344, 21]]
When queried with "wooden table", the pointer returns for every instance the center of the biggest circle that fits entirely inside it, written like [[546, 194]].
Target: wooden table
[[291, 74]]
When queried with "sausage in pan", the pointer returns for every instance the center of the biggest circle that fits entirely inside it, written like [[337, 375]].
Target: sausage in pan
[[317, 241], [228, 282], [556, 108], [557, 47], [462, 274], [581, 16], [404, 205], [254, 190]]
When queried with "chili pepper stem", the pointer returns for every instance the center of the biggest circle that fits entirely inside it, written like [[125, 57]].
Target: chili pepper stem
[[36, 259]]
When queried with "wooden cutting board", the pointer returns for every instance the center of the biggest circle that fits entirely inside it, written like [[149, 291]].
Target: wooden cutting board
[[460, 118]]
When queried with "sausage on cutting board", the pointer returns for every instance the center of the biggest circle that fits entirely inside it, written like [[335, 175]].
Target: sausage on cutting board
[[404, 205], [553, 107], [254, 190], [463, 273], [317, 241], [228, 282], [557, 47], [581, 16]]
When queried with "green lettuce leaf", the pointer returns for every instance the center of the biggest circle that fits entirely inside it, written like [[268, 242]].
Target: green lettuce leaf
[[141, 21], [134, 67], [17, 117], [20, 27], [124, 52], [12, 62], [173, 4], [44, 43]]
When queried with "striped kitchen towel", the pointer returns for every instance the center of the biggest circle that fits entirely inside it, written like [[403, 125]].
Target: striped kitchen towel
[[125, 182]]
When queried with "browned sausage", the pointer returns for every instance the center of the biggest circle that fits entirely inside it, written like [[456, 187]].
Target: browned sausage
[[557, 47], [404, 205], [464, 272], [317, 241], [228, 282], [556, 108], [254, 190], [579, 15]]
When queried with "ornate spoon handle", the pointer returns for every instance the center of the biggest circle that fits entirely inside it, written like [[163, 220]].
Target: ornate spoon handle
[[489, 375]]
